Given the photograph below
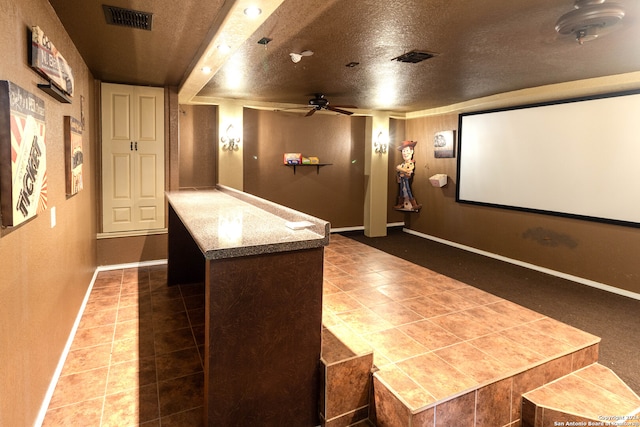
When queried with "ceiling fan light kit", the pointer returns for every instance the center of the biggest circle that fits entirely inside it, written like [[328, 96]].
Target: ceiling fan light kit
[[588, 18]]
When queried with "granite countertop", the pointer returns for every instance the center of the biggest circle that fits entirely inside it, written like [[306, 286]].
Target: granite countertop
[[227, 223]]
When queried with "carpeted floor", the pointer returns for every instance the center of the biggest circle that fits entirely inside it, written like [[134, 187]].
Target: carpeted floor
[[614, 318]]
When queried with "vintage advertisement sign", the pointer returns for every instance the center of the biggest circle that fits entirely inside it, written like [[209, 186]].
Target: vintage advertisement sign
[[49, 63], [73, 154], [23, 155]]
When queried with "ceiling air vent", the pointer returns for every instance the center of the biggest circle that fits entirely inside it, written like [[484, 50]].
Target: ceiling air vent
[[414, 56], [127, 17]]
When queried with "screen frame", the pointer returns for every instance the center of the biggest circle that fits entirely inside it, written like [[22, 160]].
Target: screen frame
[[461, 173]]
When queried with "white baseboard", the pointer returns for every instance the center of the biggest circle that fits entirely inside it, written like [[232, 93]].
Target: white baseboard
[[361, 227], [63, 357], [345, 229], [560, 274], [131, 265]]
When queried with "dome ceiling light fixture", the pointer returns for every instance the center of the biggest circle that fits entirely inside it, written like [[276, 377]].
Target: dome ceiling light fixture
[[588, 18]]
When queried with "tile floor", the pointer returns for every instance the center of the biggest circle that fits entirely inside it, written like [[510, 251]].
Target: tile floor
[[404, 310], [596, 394], [437, 341], [136, 358]]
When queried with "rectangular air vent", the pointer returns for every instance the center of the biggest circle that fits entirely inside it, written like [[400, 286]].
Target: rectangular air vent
[[127, 17], [414, 56]]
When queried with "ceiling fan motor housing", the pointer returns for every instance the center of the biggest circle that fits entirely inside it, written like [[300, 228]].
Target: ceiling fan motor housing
[[319, 101]]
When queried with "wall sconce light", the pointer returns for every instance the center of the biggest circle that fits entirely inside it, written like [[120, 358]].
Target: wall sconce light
[[253, 11], [380, 145], [230, 140]]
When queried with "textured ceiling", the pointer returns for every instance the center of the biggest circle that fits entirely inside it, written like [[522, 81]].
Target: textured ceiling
[[482, 48]]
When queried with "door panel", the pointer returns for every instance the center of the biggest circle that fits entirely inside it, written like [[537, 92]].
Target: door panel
[[148, 214], [120, 112], [147, 120], [121, 176], [121, 216], [148, 176]]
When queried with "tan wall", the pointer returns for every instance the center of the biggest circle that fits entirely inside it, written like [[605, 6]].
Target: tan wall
[[45, 271], [600, 252], [336, 192]]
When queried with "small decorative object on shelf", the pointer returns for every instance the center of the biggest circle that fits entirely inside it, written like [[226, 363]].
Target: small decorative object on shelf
[[296, 159], [292, 158]]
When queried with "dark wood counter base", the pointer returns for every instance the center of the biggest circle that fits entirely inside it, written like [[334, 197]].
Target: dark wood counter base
[[263, 339]]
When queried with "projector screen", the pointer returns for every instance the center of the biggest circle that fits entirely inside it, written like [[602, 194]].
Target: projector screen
[[578, 158]]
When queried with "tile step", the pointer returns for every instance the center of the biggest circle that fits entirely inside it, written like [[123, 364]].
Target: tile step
[[593, 395]]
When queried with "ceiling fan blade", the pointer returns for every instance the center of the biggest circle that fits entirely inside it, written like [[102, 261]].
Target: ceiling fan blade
[[291, 113], [338, 110], [302, 107], [345, 106], [310, 113]]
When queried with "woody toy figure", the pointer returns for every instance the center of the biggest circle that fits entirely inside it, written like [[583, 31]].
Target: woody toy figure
[[404, 171]]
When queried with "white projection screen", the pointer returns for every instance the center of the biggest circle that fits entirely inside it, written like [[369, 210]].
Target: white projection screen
[[577, 158]]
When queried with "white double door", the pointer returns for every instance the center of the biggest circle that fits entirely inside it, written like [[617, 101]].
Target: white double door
[[132, 158]]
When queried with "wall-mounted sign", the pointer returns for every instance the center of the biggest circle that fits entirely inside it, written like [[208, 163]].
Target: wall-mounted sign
[[23, 155], [49, 63], [443, 144], [73, 154]]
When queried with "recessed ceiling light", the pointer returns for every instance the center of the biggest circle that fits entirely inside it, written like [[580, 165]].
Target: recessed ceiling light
[[206, 70], [252, 11]]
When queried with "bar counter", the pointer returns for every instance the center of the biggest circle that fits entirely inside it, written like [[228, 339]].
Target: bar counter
[[262, 266]]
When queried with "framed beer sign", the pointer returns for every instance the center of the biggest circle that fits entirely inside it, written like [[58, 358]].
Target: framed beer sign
[[23, 155], [50, 63]]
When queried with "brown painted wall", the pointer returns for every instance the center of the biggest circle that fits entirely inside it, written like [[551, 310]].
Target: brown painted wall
[[198, 145], [600, 252], [124, 250], [336, 192], [45, 271]]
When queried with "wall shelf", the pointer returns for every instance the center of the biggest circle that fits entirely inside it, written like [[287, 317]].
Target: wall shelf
[[55, 93], [317, 166]]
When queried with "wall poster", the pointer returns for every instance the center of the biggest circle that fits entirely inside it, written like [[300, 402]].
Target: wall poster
[[23, 155], [49, 62], [443, 144], [73, 154]]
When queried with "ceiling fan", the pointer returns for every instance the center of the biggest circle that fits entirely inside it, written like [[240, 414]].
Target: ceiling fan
[[320, 102]]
